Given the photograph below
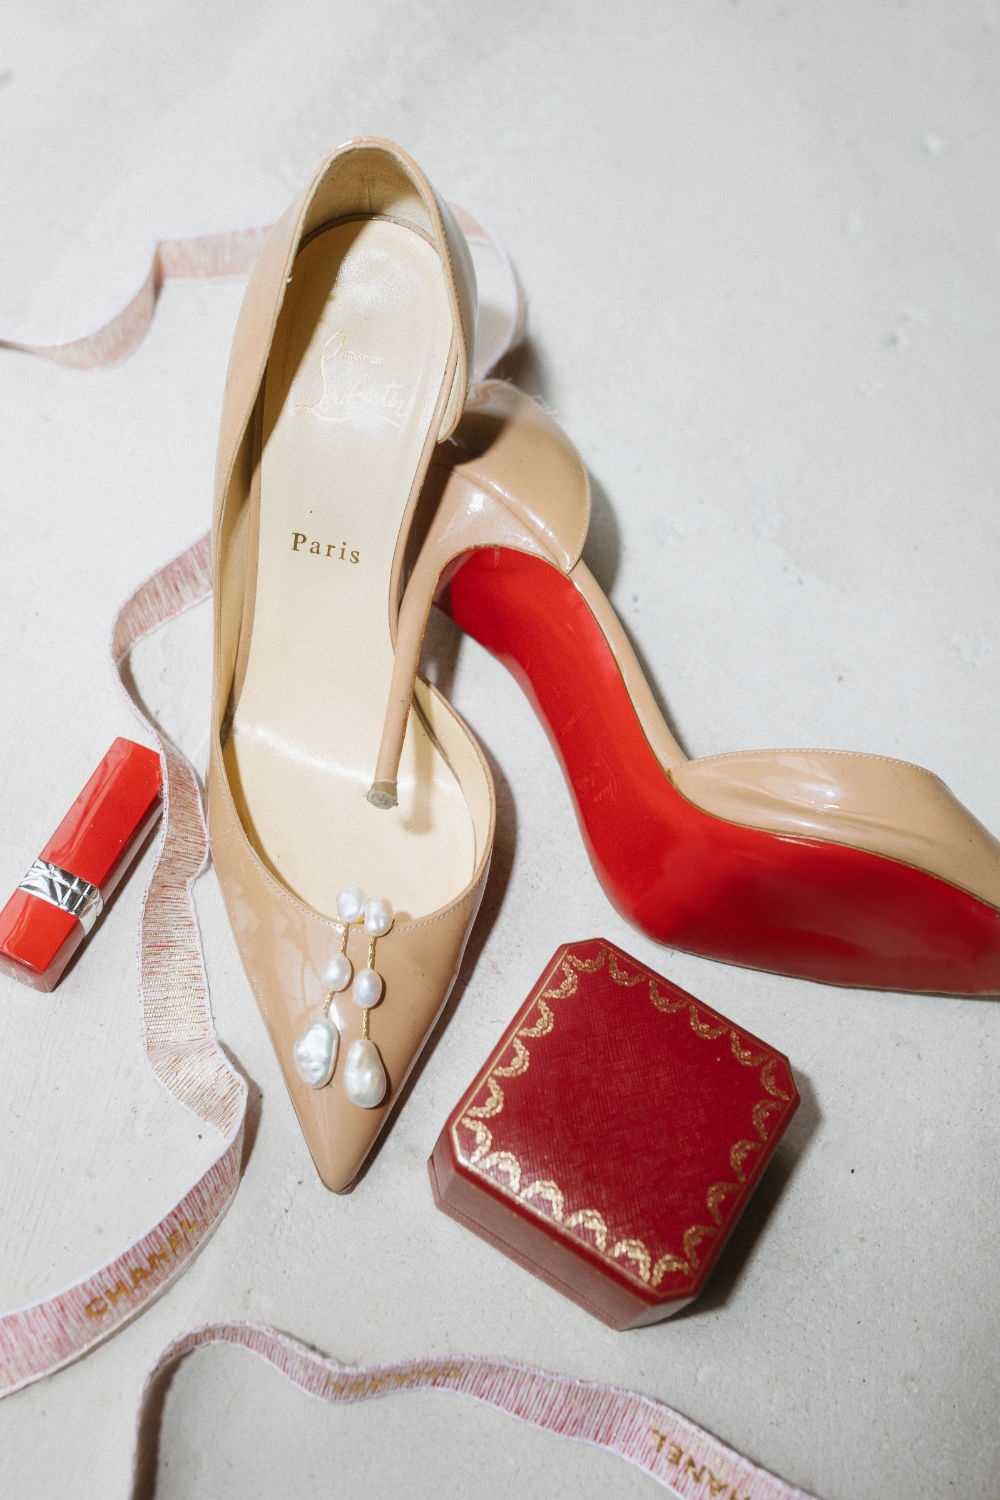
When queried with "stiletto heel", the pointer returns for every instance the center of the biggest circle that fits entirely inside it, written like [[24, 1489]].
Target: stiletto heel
[[501, 516], [350, 361], [847, 868]]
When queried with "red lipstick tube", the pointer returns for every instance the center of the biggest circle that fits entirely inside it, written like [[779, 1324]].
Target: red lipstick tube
[[67, 887]]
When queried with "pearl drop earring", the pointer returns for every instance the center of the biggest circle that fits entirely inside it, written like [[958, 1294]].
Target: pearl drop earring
[[364, 1072], [315, 1052]]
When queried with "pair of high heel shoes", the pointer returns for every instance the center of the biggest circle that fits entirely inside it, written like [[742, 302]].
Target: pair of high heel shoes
[[351, 810]]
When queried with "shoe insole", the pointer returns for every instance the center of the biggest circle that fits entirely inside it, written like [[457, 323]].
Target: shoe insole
[[357, 365]]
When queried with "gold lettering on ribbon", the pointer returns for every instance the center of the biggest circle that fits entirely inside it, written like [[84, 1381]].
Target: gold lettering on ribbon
[[158, 1256], [359, 1387], [700, 1473]]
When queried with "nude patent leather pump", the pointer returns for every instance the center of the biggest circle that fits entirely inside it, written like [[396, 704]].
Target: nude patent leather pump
[[848, 868], [350, 362]]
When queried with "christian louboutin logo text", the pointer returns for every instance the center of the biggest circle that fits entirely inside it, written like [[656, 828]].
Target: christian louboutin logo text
[[336, 551], [354, 387]]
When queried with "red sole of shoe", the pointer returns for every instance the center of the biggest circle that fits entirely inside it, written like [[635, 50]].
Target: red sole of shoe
[[769, 901]]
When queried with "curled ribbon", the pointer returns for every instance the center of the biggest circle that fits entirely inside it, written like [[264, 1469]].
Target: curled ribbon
[[681, 1457]]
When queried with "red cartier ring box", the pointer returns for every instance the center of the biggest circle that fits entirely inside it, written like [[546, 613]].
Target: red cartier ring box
[[96, 842], [614, 1136]]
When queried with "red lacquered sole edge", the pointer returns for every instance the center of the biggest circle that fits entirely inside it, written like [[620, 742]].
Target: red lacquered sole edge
[[770, 901]]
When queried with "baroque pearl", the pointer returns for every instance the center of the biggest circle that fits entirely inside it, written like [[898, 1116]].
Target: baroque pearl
[[367, 988], [364, 1075], [351, 904], [315, 1054], [378, 917], [338, 972]]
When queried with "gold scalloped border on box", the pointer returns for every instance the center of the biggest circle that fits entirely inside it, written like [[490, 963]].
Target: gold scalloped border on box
[[544, 1197]]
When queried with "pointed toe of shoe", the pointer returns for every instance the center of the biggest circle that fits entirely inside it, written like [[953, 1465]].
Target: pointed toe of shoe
[[285, 946]]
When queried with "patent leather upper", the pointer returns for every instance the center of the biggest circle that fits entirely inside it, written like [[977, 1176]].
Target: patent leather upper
[[286, 939], [866, 801], [508, 450]]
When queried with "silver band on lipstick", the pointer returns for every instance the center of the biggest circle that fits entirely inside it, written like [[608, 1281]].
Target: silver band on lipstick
[[69, 892]]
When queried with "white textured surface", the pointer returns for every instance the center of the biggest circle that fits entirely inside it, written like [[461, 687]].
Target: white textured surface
[[759, 243]]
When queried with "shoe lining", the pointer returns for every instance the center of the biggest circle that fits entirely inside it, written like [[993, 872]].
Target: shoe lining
[[358, 362]]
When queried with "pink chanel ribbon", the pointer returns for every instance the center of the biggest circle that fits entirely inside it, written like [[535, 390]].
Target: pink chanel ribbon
[[179, 1038], [684, 1459]]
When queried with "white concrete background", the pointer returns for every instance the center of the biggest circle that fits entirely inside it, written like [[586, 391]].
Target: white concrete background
[[759, 242]]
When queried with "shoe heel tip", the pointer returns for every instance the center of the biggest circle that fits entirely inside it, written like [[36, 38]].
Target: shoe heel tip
[[383, 794]]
